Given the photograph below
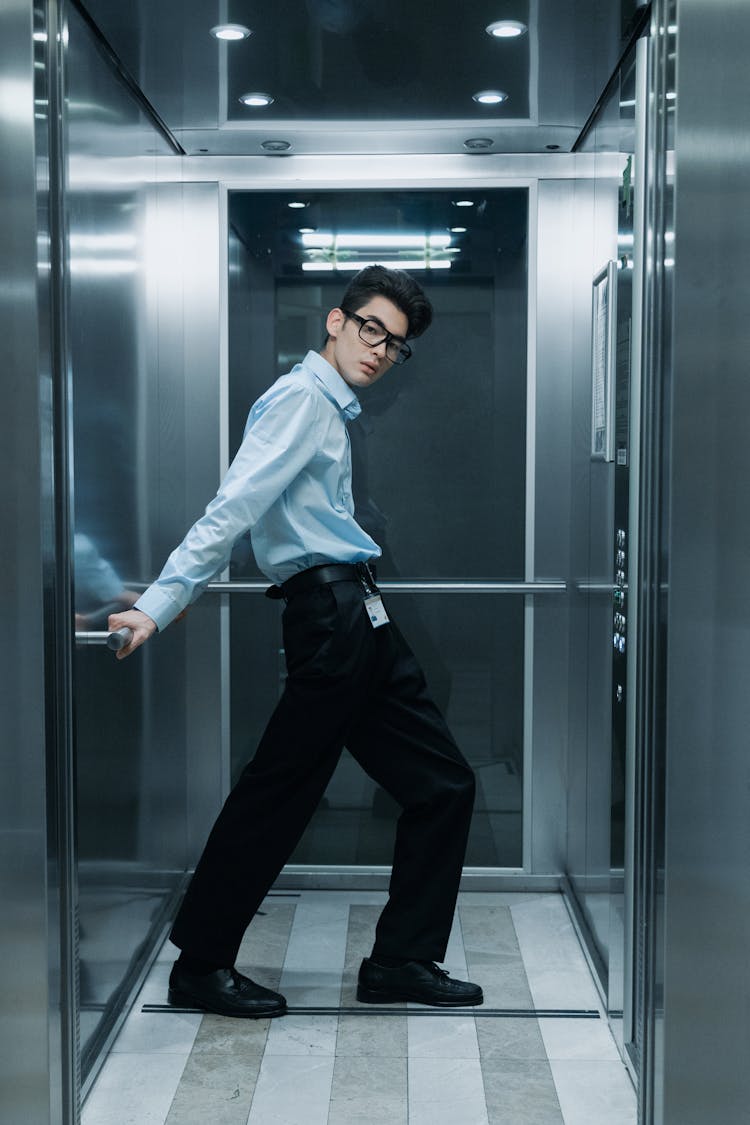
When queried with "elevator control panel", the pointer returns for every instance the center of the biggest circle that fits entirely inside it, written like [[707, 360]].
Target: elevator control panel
[[620, 592]]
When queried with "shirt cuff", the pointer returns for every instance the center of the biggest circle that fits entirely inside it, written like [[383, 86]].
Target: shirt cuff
[[159, 606]]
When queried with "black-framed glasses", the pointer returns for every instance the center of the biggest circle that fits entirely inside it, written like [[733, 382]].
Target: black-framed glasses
[[372, 333]]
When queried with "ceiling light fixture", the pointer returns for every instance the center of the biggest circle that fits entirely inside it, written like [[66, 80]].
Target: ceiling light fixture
[[506, 29], [490, 97], [458, 230], [296, 205], [463, 202], [256, 100], [347, 241], [478, 144], [231, 31], [417, 264]]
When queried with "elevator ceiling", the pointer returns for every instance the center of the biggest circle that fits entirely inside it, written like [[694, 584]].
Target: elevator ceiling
[[368, 76]]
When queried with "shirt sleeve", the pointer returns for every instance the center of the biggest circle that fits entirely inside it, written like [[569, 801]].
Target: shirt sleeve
[[282, 436]]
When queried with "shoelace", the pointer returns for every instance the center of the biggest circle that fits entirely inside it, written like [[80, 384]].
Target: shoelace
[[435, 969]]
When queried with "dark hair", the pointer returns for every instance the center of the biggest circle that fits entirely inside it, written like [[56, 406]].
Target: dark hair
[[397, 286]]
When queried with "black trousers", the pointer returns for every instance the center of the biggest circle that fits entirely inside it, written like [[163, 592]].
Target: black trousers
[[348, 685]]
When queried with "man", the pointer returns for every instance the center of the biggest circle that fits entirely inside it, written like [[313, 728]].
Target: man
[[352, 679]]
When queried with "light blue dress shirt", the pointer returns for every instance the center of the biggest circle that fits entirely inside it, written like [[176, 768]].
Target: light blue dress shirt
[[290, 486]]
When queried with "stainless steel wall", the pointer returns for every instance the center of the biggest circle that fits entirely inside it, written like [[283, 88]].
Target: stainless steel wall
[[573, 229], [111, 372], [706, 1034], [599, 862], [142, 321], [588, 789], [30, 1066]]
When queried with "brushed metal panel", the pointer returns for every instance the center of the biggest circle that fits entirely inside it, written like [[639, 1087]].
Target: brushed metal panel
[[548, 552], [29, 1069], [143, 324], [707, 876], [591, 535]]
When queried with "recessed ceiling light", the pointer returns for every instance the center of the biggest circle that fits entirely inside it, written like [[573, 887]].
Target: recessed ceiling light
[[230, 31], [463, 202], [256, 100], [307, 230], [296, 204], [458, 230], [506, 29], [478, 144], [490, 97], [276, 146]]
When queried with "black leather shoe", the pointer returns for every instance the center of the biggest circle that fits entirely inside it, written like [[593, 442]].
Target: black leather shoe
[[420, 981], [225, 992]]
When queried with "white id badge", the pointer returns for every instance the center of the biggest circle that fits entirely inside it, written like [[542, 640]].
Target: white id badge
[[376, 610]]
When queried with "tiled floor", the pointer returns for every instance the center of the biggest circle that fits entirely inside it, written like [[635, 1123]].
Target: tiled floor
[[503, 1064]]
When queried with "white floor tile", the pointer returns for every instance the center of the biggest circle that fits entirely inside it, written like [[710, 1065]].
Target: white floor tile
[[469, 1112], [303, 1035], [159, 1032], [583, 1040], [446, 1091], [594, 1092], [315, 955], [442, 1037], [292, 1091], [134, 1089], [556, 968]]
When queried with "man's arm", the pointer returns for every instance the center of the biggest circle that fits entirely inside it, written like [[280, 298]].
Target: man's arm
[[276, 447]]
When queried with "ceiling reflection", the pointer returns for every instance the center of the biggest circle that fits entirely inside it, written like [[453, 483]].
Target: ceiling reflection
[[240, 77], [342, 231]]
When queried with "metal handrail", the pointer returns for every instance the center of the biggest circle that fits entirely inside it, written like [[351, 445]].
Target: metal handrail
[[115, 640], [429, 586]]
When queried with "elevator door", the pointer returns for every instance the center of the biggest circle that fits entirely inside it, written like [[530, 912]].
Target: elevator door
[[439, 455]]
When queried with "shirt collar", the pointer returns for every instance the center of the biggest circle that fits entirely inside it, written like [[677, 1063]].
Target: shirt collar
[[334, 386]]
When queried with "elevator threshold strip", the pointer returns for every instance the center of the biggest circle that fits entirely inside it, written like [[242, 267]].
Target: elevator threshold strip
[[364, 1010]]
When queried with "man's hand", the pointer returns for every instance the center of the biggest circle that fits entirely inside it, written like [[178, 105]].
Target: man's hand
[[140, 623]]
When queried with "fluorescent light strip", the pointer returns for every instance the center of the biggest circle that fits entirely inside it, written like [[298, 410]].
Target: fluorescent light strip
[[376, 241], [417, 264]]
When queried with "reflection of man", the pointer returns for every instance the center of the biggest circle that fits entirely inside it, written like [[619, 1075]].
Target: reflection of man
[[352, 678], [98, 586]]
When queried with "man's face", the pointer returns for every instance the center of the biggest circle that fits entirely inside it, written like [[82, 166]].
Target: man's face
[[359, 364]]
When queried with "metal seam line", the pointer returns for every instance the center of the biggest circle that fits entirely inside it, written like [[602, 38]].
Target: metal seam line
[[506, 1013], [554, 586]]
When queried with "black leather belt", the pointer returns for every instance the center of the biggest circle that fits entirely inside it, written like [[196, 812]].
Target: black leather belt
[[361, 572]]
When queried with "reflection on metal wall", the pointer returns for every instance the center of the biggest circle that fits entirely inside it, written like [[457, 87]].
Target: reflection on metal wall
[[604, 550], [30, 1050], [143, 348], [588, 793]]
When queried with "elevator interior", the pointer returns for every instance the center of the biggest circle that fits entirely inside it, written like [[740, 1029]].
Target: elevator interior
[[486, 634], [179, 291]]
